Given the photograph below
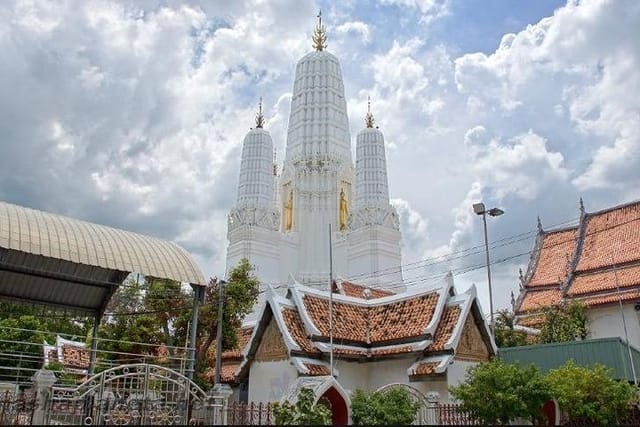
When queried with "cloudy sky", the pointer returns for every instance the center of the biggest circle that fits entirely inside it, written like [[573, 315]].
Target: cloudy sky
[[132, 113]]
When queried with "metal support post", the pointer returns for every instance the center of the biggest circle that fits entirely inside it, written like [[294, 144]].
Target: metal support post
[[198, 295], [221, 283]]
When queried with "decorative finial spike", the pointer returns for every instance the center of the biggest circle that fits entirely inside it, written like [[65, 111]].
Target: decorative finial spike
[[521, 275], [513, 301], [369, 118], [259, 116], [319, 35], [581, 206], [539, 224]]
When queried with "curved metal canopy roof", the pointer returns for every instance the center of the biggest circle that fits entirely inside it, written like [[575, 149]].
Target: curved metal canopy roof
[[56, 260]]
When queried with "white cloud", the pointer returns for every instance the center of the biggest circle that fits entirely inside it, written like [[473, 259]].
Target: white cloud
[[414, 228], [430, 9], [357, 27], [524, 167], [133, 113]]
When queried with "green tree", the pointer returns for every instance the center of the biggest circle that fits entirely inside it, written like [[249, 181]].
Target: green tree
[[23, 331], [590, 393], [141, 316], [564, 323], [240, 296], [499, 392], [304, 412], [389, 407], [171, 306], [504, 333]]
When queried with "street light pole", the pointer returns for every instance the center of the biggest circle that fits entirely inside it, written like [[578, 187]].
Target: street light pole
[[216, 380], [486, 252], [480, 209]]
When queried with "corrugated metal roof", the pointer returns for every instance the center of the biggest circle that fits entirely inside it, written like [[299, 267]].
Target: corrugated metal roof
[[611, 352], [41, 233], [52, 259]]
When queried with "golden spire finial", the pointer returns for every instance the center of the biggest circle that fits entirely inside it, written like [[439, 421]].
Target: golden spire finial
[[369, 118], [259, 116], [319, 35]]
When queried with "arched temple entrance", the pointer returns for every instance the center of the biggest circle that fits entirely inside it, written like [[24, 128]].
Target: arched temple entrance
[[336, 403], [327, 391]]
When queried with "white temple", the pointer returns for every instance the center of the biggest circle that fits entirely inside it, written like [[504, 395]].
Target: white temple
[[281, 222]]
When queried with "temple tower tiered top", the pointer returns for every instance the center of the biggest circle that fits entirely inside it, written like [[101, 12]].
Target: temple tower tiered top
[[287, 234]]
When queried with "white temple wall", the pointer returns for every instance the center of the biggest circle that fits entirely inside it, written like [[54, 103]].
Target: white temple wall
[[371, 376], [374, 251], [289, 253], [260, 247], [456, 372], [340, 255], [388, 371], [353, 375], [269, 381], [607, 322], [430, 385]]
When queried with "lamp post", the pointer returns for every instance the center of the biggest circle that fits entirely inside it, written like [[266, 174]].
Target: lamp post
[[216, 381], [480, 209]]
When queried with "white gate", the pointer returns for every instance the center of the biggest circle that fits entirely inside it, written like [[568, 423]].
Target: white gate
[[137, 394]]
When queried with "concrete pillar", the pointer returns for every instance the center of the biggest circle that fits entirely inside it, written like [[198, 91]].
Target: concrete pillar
[[217, 404], [432, 413], [43, 381]]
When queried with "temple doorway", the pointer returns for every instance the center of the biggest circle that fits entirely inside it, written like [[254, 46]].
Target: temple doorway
[[336, 403]]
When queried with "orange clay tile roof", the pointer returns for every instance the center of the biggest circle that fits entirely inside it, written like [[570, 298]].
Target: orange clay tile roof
[[296, 329], [596, 300], [350, 352], [611, 236], [403, 319], [448, 322], [554, 260], [605, 280], [426, 368], [75, 357], [317, 369], [392, 350], [355, 290], [244, 335], [536, 300], [398, 320], [228, 374], [535, 321], [353, 318]]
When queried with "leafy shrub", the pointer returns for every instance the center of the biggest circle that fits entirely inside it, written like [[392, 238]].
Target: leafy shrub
[[591, 394], [304, 412], [389, 407], [499, 392]]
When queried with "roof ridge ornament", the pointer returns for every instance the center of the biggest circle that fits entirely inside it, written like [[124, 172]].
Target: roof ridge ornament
[[259, 116], [582, 211], [369, 117], [319, 35]]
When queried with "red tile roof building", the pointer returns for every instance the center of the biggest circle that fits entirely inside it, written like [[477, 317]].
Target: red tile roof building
[[588, 262], [419, 333]]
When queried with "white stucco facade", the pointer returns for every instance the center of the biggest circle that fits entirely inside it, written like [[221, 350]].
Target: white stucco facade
[[269, 381], [607, 322]]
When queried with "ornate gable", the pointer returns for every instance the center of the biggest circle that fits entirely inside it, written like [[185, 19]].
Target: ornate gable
[[272, 347], [471, 346]]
